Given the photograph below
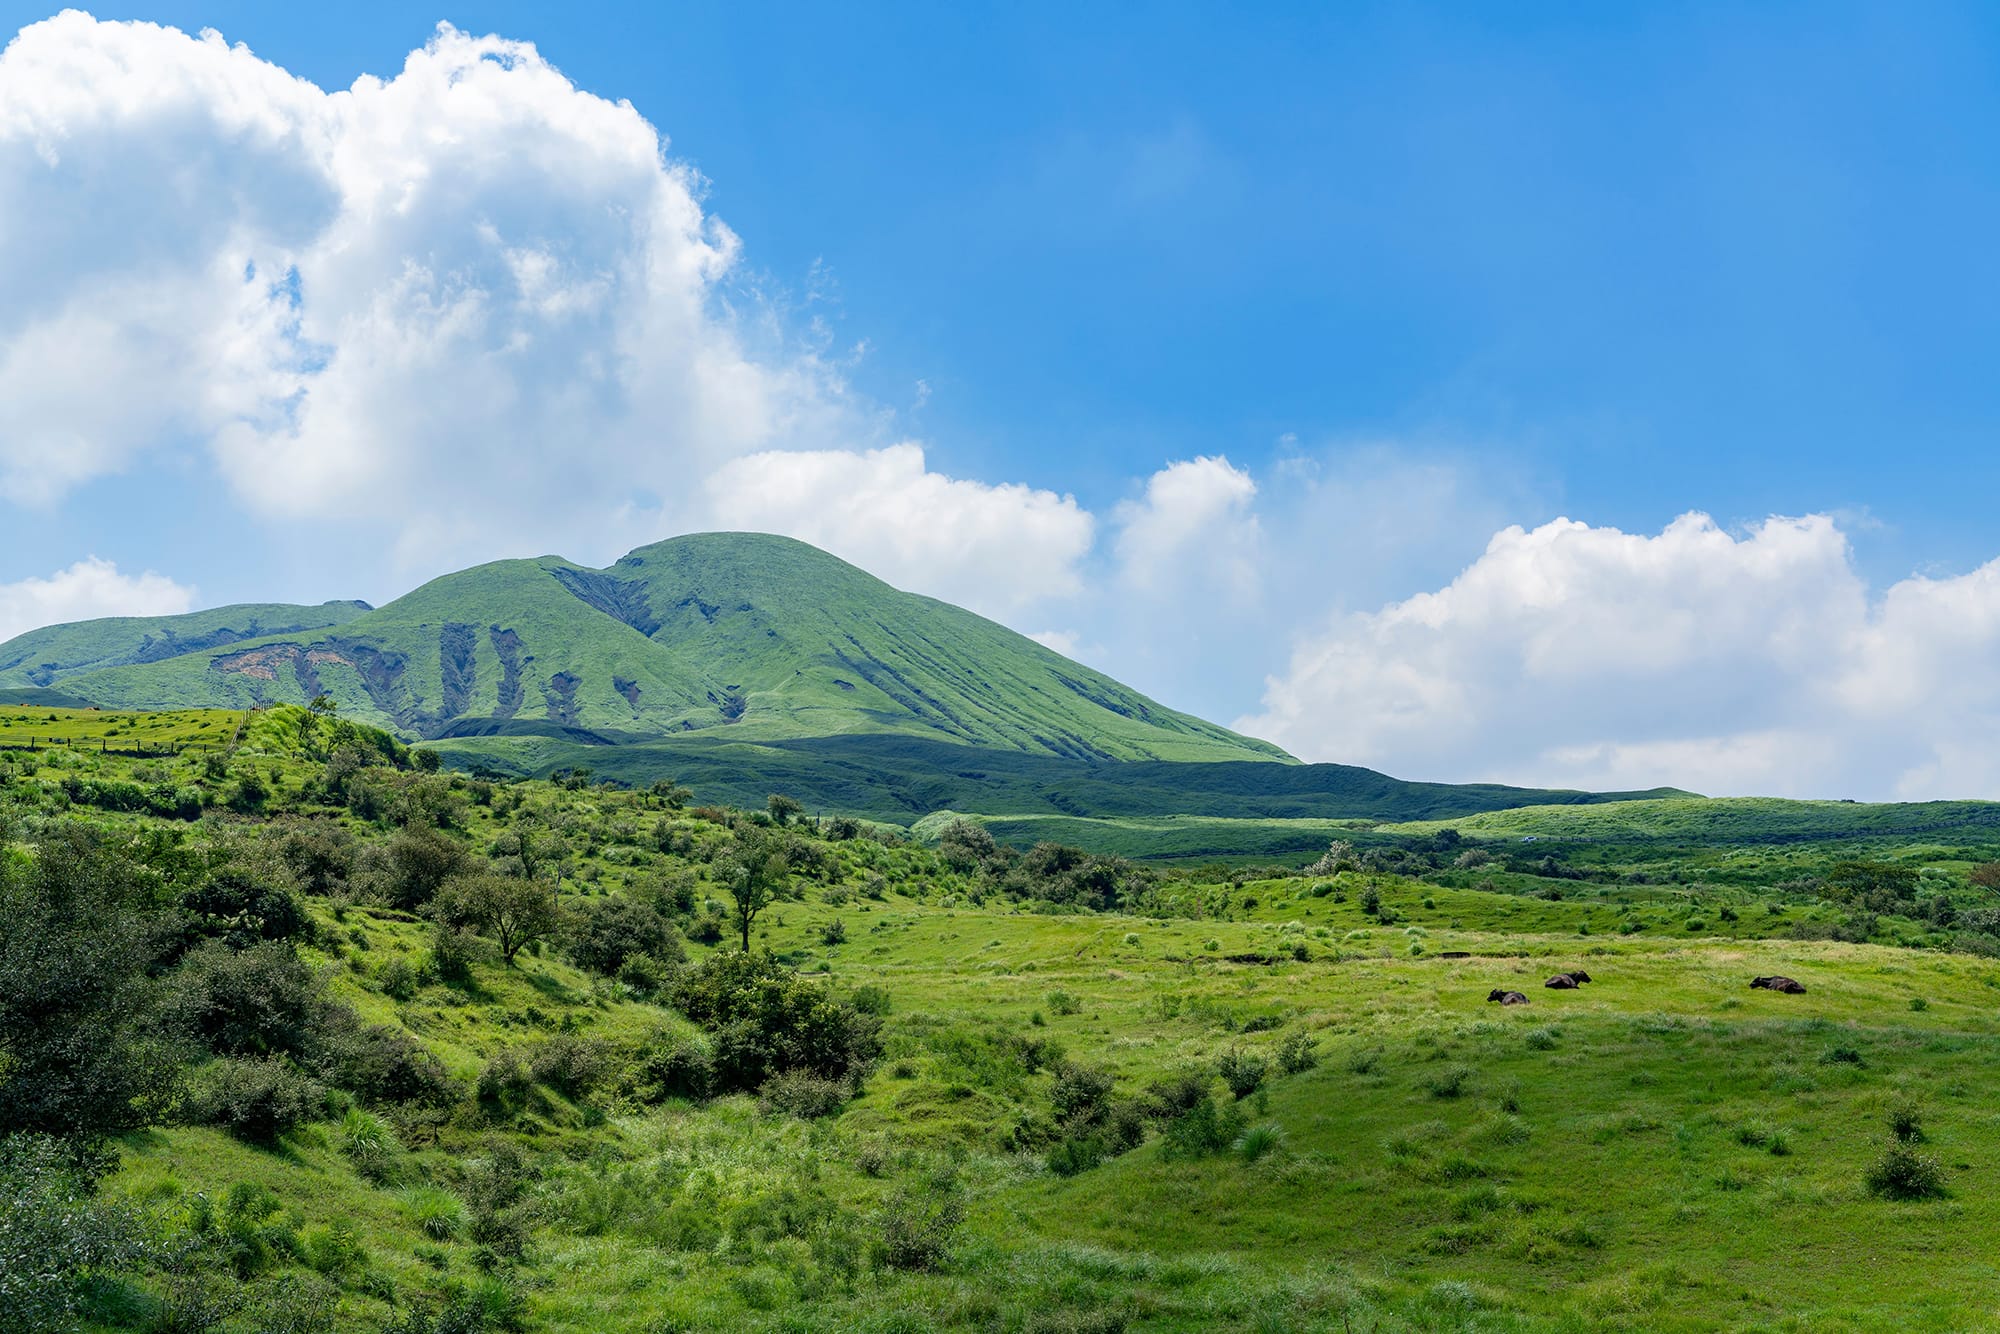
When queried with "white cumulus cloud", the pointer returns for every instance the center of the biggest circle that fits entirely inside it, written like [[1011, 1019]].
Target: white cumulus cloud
[[89, 588], [1752, 662], [995, 549], [1194, 527], [441, 309]]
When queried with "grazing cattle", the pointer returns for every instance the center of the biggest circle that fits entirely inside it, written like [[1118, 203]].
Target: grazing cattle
[[1506, 997], [1784, 984], [1561, 982]]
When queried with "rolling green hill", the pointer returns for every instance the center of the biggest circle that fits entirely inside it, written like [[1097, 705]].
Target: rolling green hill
[[898, 778], [54, 653], [756, 637]]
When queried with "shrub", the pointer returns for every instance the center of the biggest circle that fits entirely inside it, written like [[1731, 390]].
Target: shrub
[[1901, 1173], [1080, 1095], [1243, 1072], [806, 1096], [1841, 1056], [54, 1237], [1178, 1093], [572, 1066], [672, 1065], [1298, 1053], [261, 1001], [645, 975], [255, 1101], [1202, 1131], [398, 980], [870, 999], [833, 933], [1061, 1002], [1074, 1156], [1258, 1141], [1919, 1003], [604, 934], [503, 1084], [916, 1226], [386, 1065], [766, 1019], [705, 929], [1906, 1122], [420, 861], [242, 907]]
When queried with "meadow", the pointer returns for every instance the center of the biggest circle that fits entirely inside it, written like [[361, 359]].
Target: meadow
[[1099, 1096]]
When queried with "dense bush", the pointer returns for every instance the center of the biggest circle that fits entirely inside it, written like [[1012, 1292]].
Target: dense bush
[[570, 1065], [79, 941], [806, 1096], [386, 1065], [1203, 1130], [1298, 1053], [767, 1020], [1242, 1071], [419, 862], [604, 934], [671, 1066], [255, 1002], [255, 1100], [242, 908], [54, 1237]]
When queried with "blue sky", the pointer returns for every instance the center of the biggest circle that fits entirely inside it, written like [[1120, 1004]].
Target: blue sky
[[1469, 266]]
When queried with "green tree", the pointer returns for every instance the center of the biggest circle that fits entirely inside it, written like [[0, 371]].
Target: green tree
[[784, 809], [755, 873], [515, 912], [420, 861]]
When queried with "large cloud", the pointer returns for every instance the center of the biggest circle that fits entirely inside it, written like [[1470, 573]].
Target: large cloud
[[87, 589], [996, 549], [1731, 663], [448, 308]]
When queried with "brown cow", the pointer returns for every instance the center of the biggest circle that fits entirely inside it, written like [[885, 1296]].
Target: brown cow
[[1506, 997], [1784, 984], [1561, 982]]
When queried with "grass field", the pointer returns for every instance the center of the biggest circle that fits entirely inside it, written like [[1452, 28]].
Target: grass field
[[93, 728], [1664, 1148]]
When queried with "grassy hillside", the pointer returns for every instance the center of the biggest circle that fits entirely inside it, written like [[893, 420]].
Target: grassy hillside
[[1734, 820], [901, 778], [1051, 1136], [54, 653], [759, 637]]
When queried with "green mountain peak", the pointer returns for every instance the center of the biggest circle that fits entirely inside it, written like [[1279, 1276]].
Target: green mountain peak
[[746, 635]]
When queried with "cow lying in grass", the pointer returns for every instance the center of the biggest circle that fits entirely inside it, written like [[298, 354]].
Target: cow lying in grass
[[1784, 984], [1568, 981], [1506, 997]]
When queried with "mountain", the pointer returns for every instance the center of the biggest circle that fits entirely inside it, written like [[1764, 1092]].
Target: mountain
[[738, 635], [43, 657]]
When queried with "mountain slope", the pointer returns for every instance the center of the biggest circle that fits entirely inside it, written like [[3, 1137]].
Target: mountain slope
[[756, 637], [43, 657]]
